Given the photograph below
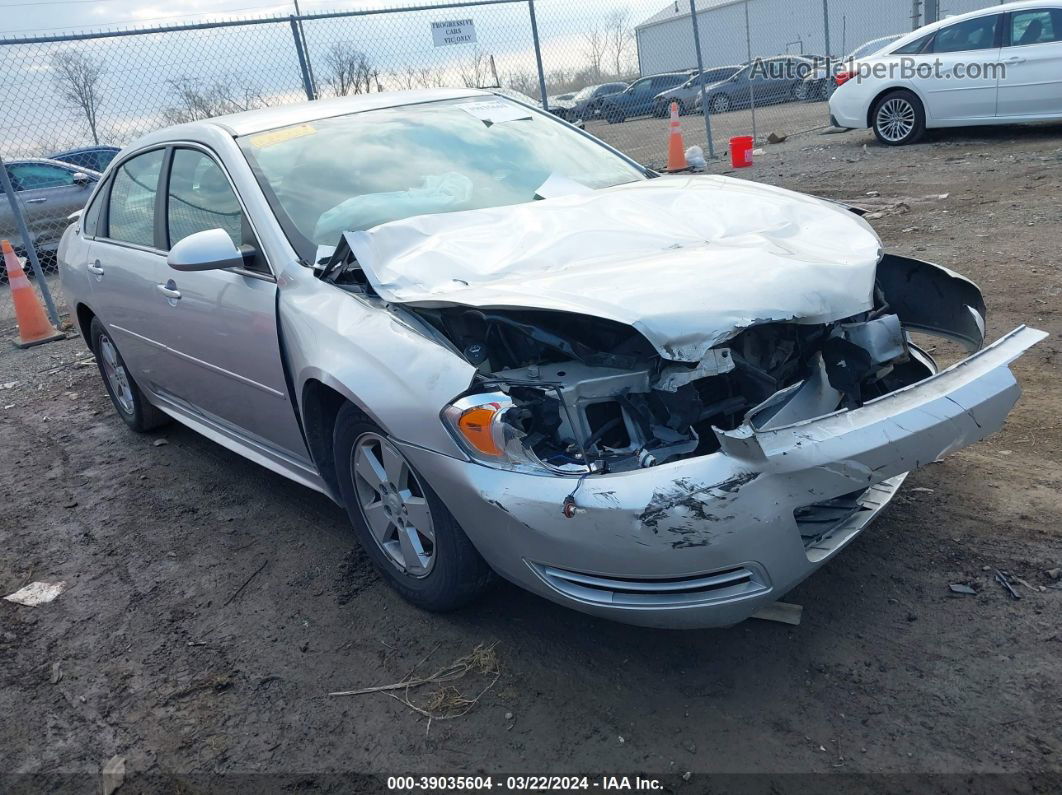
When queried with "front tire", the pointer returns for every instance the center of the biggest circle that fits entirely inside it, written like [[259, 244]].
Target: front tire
[[125, 395], [615, 117], [898, 118], [410, 536], [720, 103]]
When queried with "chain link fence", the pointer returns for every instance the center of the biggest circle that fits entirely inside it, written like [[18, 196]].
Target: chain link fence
[[613, 65]]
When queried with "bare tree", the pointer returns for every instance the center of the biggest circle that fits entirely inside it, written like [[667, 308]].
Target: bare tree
[[349, 70], [405, 78], [195, 101], [476, 73], [523, 81], [76, 77], [596, 45], [430, 78], [618, 37]]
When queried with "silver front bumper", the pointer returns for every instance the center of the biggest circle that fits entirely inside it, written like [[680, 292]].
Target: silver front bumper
[[705, 541]]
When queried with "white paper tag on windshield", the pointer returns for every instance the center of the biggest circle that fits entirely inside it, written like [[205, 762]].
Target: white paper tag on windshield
[[494, 111], [560, 185]]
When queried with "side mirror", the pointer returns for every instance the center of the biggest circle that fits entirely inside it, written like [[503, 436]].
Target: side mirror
[[211, 249], [81, 178]]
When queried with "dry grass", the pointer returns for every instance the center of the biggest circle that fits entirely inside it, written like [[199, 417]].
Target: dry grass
[[447, 702]]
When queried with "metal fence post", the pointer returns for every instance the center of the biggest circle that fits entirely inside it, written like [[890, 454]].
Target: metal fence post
[[700, 79], [27, 243], [826, 37], [538, 55], [307, 82], [305, 48], [826, 29], [752, 83]]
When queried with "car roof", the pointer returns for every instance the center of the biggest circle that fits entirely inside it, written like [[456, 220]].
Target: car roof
[[86, 149], [49, 162], [255, 121], [914, 35]]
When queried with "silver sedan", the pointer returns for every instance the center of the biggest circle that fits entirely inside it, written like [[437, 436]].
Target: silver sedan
[[507, 349]]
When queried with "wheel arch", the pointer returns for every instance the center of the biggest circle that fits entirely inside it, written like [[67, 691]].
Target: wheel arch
[[84, 317], [320, 404], [891, 89]]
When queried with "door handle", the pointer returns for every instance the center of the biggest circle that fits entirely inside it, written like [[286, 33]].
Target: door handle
[[169, 289], [40, 200], [1013, 59], [96, 268]]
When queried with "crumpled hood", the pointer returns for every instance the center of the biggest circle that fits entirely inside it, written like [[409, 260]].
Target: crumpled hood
[[689, 261]]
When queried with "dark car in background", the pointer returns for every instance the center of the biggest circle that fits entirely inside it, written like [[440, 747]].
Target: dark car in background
[[48, 191], [639, 97], [765, 81], [96, 158], [820, 85], [686, 93], [586, 103]]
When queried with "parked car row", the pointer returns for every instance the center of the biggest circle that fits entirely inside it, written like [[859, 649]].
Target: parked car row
[[764, 81]]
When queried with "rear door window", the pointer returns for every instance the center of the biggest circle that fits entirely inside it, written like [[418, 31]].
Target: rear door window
[[131, 212], [1036, 26], [914, 47]]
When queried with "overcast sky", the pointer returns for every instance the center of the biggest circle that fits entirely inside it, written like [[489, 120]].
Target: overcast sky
[[57, 16], [140, 72]]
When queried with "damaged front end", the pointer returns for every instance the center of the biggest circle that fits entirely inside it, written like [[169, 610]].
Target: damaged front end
[[572, 395]]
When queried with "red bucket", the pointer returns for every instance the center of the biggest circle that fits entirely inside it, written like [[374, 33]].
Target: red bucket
[[741, 151]]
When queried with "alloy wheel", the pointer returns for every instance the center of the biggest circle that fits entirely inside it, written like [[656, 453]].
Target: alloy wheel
[[896, 119], [117, 377], [393, 504]]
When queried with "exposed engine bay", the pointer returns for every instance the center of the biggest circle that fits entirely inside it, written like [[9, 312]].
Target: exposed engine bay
[[590, 395]]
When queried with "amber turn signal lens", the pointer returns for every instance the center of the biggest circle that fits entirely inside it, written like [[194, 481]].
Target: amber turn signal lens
[[475, 426]]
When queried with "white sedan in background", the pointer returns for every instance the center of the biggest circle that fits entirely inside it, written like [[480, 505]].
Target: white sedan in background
[[1001, 64]]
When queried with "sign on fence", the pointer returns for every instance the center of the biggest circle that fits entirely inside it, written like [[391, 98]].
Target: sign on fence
[[456, 31]]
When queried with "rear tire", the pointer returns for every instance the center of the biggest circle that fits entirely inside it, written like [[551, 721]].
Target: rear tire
[[412, 539], [898, 118], [129, 402]]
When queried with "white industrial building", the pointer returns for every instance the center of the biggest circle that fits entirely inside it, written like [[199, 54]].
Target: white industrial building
[[777, 27]]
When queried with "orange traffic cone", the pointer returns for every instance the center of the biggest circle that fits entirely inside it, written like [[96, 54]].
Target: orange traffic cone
[[33, 325], [676, 151]]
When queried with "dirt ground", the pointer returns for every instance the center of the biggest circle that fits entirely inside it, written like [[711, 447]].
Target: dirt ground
[[211, 606]]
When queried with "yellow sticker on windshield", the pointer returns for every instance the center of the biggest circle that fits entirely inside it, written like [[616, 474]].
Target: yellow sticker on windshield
[[262, 140]]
